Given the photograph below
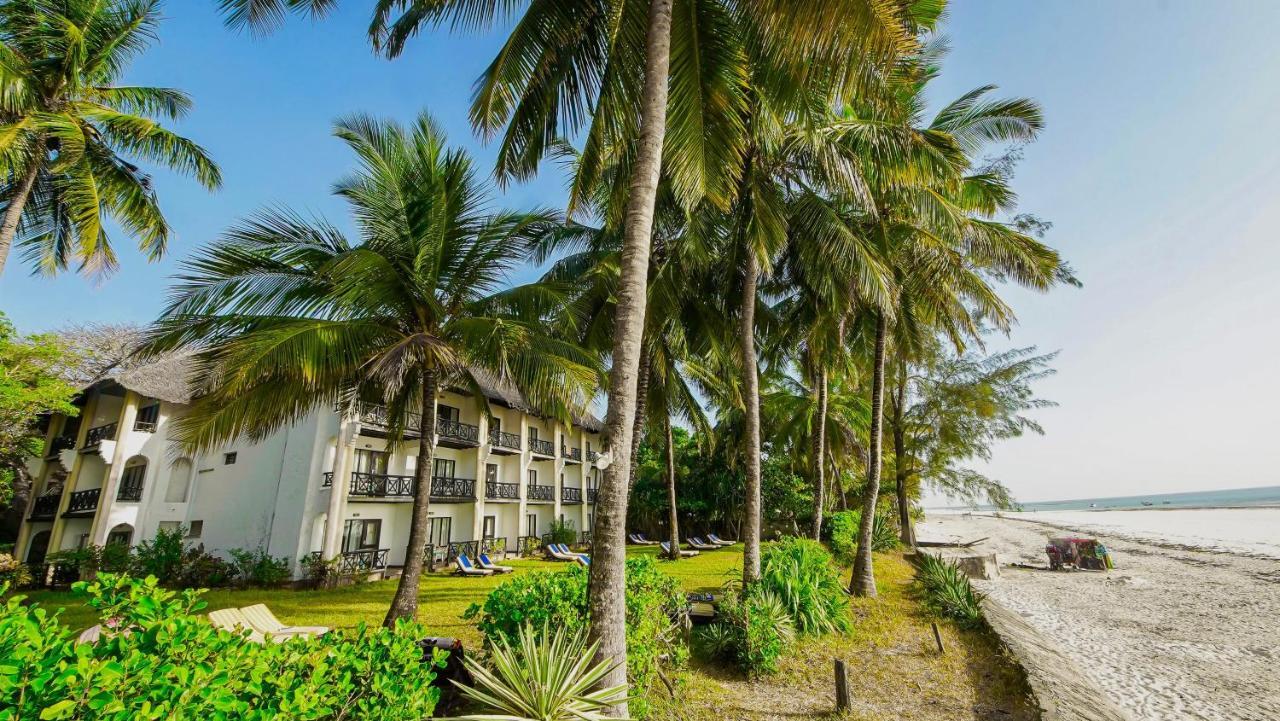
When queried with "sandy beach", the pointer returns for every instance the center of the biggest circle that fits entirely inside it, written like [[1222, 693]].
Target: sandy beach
[[1176, 631]]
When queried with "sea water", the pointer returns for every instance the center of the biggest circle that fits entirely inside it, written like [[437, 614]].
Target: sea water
[[1234, 498]]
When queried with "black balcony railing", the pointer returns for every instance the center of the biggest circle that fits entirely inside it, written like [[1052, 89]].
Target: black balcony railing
[[503, 440], [99, 434], [365, 560], [570, 495], [45, 507], [541, 493], [328, 480], [82, 501], [541, 447], [527, 545], [381, 485], [60, 444], [573, 455], [131, 484], [375, 417], [502, 491], [444, 487], [591, 495], [592, 456], [453, 432]]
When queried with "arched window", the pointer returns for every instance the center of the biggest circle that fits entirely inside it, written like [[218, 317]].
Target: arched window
[[179, 482], [131, 480], [38, 548], [122, 534]]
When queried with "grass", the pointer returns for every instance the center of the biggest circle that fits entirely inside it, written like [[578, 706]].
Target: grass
[[896, 670]]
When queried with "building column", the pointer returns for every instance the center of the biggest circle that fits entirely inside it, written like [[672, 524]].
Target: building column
[[73, 473], [56, 424], [561, 443], [482, 455], [522, 481], [337, 509], [99, 528]]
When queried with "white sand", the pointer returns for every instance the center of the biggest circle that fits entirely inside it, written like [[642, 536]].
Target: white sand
[[1171, 633]]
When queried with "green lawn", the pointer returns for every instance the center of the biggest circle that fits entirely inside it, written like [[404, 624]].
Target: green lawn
[[896, 671]]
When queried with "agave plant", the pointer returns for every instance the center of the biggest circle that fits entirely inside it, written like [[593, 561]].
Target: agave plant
[[948, 592], [547, 677]]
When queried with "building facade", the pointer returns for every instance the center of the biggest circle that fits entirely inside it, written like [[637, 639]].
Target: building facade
[[500, 475]]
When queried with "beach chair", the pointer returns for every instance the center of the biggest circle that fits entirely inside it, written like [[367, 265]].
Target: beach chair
[[666, 548], [700, 545], [553, 550], [230, 619], [90, 635], [584, 561], [466, 568], [719, 541], [488, 565], [640, 540], [568, 554], [261, 618]]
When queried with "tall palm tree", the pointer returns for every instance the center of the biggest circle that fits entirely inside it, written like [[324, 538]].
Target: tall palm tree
[[288, 316], [67, 131]]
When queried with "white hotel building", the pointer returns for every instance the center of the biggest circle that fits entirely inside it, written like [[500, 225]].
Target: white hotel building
[[113, 475]]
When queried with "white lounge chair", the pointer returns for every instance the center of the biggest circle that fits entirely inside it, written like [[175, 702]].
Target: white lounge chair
[[720, 541], [640, 540], [584, 561], [466, 568], [488, 565], [666, 548], [568, 554], [262, 619], [699, 544], [231, 619]]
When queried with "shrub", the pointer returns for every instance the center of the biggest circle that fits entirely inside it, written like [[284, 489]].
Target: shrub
[[563, 532], [841, 529], [258, 568], [802, 575], [948, 592], [199, 569], [547, 676], [559, 600], [319, 571], [161, 556], [13, 573], [753, 633], [172, 664]]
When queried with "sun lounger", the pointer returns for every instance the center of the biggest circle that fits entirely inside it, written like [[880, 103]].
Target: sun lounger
[[640, 540], [583, 561], [231, 619], [700, 545], [91, 634], [666, 548], [262, 619], [488, 565], [719, 541], [565, 553], [465, 568]]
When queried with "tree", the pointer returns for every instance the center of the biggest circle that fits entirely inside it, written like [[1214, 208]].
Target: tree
[[288, 316], [67, 131], [31, 387]]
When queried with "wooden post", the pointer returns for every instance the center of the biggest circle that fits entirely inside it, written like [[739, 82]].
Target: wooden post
[[937, 636], [842, 687]]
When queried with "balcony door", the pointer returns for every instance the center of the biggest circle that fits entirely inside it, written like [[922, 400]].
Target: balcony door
[[361, 534], [439, 531], [531, 524], [447, 413], [369, 461], [490, 527], [443, 468]]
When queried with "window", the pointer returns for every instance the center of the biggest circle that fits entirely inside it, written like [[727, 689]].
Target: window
[[533, 433], [531, 524], [495, 424], [439, 531], [368, 461], [229, 458], [179, 482], [443, 467], [361, 534], [131, 480], [147, 418], [196, 529], [121, 535], [490, 527], [491, 473], [170, 526], [447, 413], [533, 477]]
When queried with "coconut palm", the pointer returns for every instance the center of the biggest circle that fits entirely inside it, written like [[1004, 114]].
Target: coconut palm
[[288, 316], [69, 134]]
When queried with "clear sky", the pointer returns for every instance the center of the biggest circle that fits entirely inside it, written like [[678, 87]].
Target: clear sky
[[1157, 168]]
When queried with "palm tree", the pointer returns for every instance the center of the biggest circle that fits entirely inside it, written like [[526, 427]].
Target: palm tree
[[67, 130], [289, 316]]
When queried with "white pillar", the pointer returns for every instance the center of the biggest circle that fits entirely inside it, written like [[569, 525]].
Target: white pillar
[[338, 489]]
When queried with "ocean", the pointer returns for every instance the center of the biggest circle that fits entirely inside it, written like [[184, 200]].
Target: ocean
[[1234, 498]]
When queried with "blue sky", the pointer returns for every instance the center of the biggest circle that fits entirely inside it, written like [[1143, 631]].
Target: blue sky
[[1156, 169]]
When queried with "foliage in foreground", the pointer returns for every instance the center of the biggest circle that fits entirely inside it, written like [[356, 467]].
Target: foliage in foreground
[[842, 533], [948, 592], [803, 575], [753, 632], [166, 662], [559, 600], [543, 677]]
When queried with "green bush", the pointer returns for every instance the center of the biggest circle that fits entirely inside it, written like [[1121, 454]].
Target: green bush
[[258, 568], [13, 573], [556, 600], [172, 664], [161, 556], [841, 532], [948, 592], [563, 532], [202, 570], [753, 631], [803, 576]]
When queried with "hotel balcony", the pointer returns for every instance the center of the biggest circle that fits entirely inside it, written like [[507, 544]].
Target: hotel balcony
[[591, 495], [592, 456], [571, 455], [96, 436], [385, 487], [83, 503], [547, 449], [542, 493], [571, 495], [501, 491], [504, 444], [45, 507], [455, 434]]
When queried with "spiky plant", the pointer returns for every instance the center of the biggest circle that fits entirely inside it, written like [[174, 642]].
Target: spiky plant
[[546, 677]]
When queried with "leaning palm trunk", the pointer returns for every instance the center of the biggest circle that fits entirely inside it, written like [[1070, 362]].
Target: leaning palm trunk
[[405, 603], [642, 407], [13, 213], [606, 600], [902, 469], [863, 582], [751, 399], [671, 491], [819, 455]]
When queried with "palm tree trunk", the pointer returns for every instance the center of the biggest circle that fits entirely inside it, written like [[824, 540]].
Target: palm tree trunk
[[642, 410], [863, 582], [671, 491], [405, 603], [901, 465], [13, 213], [750, 398], [819, 455], [606, 602]]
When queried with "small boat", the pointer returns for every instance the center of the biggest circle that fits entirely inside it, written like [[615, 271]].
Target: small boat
[[1148, 503], [1093, 505]]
